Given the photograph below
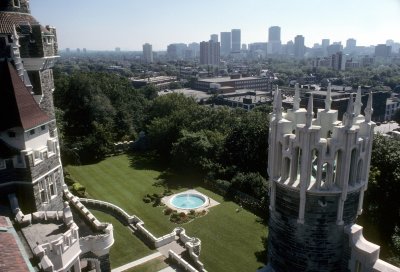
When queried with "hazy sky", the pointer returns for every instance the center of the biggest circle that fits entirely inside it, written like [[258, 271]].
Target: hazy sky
[[106, 24]]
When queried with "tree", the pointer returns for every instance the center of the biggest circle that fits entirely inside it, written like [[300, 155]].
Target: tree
[[396, 116]]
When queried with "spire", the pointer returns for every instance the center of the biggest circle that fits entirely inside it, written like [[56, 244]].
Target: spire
[[296, 99], [278, 104], [349, 114], [328, 98], [368, 109], [310, 113], [358, 103]]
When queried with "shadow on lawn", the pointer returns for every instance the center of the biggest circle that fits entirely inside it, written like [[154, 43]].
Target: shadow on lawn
[[147, 161]]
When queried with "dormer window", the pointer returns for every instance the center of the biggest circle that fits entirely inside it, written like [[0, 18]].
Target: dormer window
[[16, 3], [32, 132], [11, 134], [2, 164], [43, 127]]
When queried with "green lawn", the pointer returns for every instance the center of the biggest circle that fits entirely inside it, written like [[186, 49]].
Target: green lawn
[[231, 241]]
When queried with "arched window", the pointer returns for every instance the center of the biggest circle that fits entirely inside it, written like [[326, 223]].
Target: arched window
[[337, 167], [286, 169], [359, 171], [353, 169], [324, 175]]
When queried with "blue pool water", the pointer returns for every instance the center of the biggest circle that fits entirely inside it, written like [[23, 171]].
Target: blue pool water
[[187, 201]]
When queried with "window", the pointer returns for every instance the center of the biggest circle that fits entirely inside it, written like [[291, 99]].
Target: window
[[42, 191], [2, 164], [32, 131], [52, 187], [43, 127], [16, 3], [11, 134]]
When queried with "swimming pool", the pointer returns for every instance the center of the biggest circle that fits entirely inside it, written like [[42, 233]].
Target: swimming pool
[[188, 201]]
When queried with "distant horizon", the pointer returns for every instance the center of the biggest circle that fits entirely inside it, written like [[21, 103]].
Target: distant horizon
[[100, 26]]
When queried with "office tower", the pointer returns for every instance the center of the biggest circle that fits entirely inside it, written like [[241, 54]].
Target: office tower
[[244, 47], [289, 48], [236, 40], [148, 53], [226, 43], [274, 40], [334, 48], [214, 37], [299, 48], [382, 51], [350, 45], [210, 53], [338, 61], [195, 48], [325, 43], [117, 49]]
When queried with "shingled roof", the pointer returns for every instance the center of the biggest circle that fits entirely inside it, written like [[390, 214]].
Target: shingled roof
[[9, 19], [18, 108]]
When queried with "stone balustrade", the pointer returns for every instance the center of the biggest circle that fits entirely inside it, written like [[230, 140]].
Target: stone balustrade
[[364, 254]]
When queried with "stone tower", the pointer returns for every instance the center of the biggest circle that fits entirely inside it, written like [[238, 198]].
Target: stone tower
[[30, 165], [318, 170]]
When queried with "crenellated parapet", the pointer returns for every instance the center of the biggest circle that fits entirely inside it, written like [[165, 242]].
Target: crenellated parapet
[[318, 167], [320, 154]]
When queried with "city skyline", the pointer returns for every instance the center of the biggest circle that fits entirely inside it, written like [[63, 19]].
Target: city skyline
[[98, 25]]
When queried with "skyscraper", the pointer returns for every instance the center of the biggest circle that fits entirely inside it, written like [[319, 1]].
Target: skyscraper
[[210, 53], [325, 43], [226, 43], [214, 37], [236, 40], [148, 53], [274, 40], [299, 48], [350, 45]]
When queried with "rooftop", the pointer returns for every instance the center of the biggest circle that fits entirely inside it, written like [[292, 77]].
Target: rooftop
[[13, 258], [17, 103], [39, 233], [225, 79]]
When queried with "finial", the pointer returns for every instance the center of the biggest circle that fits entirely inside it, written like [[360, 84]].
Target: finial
[[310, 112], [296, 99], [328, 98], [349, 114], [368, 109], [358, 103], [278, 104]]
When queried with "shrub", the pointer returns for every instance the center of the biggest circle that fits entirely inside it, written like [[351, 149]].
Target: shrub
[[192, 212], [168, 211], [78, 189], [167, 192], [182, 215], [146, 199]]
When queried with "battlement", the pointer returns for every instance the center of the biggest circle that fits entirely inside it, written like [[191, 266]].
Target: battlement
[[322, 154]]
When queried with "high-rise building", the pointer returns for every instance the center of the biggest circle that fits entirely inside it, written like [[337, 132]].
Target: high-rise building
[[274, 34], [383, 51], [299, 48], [350, 45], [210, 53], [334, 48], [148, 53], [324, 45], [236, 40], [226, 43], [244, 47], [117, 49], [214, 37], [316, 195], [195, 48], [274, 40]]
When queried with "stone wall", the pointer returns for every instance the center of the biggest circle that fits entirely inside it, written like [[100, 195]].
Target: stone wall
[[316, 245]]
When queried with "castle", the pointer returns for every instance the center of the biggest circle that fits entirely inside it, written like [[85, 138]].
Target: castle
[[318, 169], [32, 191]]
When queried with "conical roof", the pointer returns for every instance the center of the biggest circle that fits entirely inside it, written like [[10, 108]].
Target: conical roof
[[18, 108]]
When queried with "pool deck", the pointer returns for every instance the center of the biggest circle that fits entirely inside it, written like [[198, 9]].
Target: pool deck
[[209, 201]]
